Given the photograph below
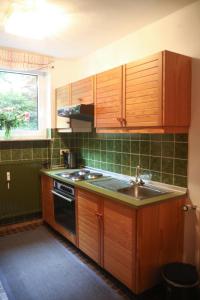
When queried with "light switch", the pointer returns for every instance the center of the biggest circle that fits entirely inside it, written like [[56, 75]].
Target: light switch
[[8, 176]]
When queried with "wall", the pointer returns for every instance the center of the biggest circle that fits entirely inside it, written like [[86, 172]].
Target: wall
[[178, 32]]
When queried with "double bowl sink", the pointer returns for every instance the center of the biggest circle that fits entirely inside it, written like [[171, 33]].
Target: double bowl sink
[[135, 191]]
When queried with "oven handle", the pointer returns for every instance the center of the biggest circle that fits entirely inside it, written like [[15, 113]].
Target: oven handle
[[61, 196]]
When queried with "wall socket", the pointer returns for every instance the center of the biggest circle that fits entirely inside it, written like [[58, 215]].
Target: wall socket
[[65, 150]]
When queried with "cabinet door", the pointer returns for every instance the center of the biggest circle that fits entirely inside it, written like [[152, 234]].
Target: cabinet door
[[160, 232], [22, 196], [119, 242], [108, 106], [62, 99], [47, 200], [143, 92], [89, 224], [82, 91]]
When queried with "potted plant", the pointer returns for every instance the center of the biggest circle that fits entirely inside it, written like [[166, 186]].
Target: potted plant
[[12, 118]]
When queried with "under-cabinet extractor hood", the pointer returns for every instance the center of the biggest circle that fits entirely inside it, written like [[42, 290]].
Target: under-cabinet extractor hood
[[84, 112], [77, 118]]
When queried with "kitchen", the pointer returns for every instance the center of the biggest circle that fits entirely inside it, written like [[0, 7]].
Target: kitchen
[[164, 156]]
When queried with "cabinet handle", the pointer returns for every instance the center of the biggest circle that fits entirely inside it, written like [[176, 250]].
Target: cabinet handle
[[124, 122], [99, 215], [120, 120], [79, 99]]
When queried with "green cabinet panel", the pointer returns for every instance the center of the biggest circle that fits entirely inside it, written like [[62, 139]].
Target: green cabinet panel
[[23, 197]]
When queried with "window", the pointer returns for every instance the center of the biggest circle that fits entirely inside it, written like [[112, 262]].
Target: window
[[25, 95]]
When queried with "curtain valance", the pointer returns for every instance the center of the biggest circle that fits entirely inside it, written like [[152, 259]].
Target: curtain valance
[[22, 60]]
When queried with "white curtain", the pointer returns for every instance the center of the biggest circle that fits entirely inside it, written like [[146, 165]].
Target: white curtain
[[22, 60]]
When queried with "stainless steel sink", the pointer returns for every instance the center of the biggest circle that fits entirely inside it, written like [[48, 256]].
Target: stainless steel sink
[[142, 192]]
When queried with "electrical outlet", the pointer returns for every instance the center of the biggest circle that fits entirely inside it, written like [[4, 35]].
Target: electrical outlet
[[65, 150]]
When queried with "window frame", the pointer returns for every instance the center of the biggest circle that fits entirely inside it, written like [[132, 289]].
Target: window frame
[[43, 108]]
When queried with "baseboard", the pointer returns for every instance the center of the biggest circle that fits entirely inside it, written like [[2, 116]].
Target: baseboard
[[6, 229]]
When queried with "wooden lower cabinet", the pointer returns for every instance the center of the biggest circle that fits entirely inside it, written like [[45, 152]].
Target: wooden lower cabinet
[[131, 244], [89, 227], [119, 241], [47, 199], [160, 231]]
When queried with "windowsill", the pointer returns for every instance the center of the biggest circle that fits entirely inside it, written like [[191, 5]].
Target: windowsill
[[16, 139]]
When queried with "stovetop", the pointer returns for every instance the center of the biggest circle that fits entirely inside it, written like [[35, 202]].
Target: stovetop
[[82, 174]]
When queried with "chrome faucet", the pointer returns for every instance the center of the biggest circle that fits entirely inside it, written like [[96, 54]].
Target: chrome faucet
[[138, 180]]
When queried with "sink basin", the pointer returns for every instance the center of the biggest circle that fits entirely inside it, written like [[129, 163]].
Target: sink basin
[[142, 192]]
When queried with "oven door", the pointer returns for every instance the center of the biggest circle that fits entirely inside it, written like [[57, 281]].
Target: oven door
[[64, 211]]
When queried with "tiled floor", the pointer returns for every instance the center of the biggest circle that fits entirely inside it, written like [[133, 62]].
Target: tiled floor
[[155, 294]]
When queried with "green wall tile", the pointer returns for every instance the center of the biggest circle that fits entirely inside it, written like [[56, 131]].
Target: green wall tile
[[180, 180], [167, 165], [118, 158], [165, 156], [6, 155], [103, 144], [126, 159], [135, 147], [181, 150], [110, 145], [180, 167], [126, 146], [16, 154], [126, 170], [155, 163], [135, 160], [181, 137], [167, 178], [156, 176], [144, 161], [145, 147], [27, 153], [118, 145], [168, 137], [168, 149]]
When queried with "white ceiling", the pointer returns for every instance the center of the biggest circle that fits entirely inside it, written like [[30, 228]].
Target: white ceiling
[[93, 24]]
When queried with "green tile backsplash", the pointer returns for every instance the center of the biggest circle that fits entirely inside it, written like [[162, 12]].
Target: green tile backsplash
[[164, 156], [17, 151]]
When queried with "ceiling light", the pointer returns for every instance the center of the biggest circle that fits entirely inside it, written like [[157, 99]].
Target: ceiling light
[[35, 19]]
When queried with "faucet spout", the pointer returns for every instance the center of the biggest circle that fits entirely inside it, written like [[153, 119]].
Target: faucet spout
[[137, 181]]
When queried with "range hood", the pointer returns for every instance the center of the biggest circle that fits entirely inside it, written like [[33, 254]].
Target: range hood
[[84, 112], [72, 125]]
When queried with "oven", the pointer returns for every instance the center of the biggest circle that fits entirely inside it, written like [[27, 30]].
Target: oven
[[64, 205]]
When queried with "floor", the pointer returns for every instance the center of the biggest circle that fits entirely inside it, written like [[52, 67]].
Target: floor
[[154, 294]]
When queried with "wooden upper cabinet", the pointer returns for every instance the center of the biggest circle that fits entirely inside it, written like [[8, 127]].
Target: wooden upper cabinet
[[82, 91], [89, 229], [143, 92], [47, 199], [120, 242], [157, 91], [176, 89], [108, 100], [63, 98], [149, 95]]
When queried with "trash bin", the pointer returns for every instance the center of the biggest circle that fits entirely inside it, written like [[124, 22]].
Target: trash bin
[[181, 281]]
